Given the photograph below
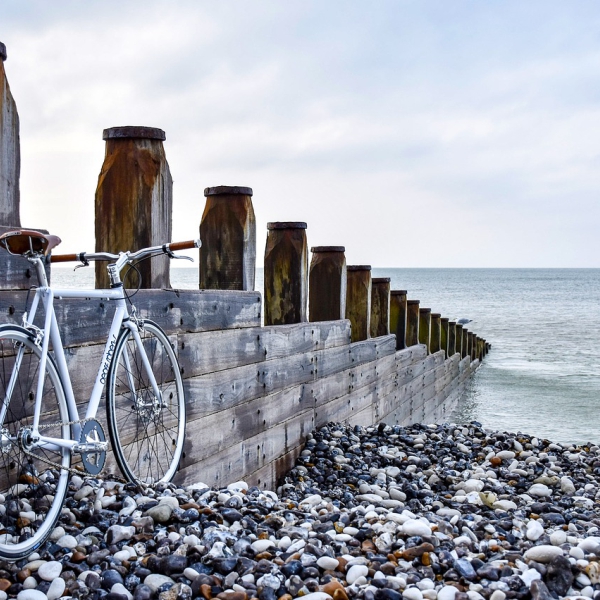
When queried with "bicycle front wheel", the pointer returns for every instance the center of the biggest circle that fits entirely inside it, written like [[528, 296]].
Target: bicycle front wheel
[[33, 477], [146, 430]]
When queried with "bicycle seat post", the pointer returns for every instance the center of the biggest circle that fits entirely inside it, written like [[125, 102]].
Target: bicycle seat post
[[40, 271]]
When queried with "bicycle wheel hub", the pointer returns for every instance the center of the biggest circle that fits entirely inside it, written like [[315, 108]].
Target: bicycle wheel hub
[[148, 410], [26, 440]]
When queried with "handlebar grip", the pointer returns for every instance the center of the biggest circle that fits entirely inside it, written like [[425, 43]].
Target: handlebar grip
[[56, 258], [174, 246]]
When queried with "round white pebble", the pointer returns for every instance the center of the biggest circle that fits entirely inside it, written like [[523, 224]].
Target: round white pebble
[[355, 572], [447, 593], [50, 571], [31, 595], [416, 527], [543, 554], [412, 593], [261, 545], [56, 589], [328, 563]]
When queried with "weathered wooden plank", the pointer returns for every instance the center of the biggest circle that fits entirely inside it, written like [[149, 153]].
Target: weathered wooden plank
[[269, 476], [340, 410], [365, 417], [176, 311], [215, 432], [201, 353], [248, 456]]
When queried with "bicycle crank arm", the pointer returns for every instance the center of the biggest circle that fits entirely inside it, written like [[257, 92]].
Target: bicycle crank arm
[[90, 447]]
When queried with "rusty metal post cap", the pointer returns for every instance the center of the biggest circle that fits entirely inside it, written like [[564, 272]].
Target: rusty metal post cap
[[3, 55], [358, 268], [381, 280], [286, 225], [328, 249], [132, 132], [227, 190], [398, 292]]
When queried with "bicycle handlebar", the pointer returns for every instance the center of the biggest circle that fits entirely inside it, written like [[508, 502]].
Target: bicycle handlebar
[[167, 249]]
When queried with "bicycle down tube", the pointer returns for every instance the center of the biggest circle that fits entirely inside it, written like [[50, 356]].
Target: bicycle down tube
[[120, 319]]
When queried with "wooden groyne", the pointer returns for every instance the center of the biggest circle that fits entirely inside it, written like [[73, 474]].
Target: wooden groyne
[[334, 344]]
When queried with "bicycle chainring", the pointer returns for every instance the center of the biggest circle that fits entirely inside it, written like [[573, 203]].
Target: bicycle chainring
[[92, 433]]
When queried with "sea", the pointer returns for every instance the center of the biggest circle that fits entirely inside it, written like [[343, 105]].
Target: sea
[[542, 375]]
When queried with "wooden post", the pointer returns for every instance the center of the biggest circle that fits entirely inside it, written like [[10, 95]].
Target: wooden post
[[286, 273], [479, 349], [134, 202], [358, 301], [465, 342], [451, 338], [425, 327], [459, 339], [398, 317], [444, 335], [16, 272], [435, 343], [412, 322], [228, 234], [327, 284], [10, 152], [380, 306], [471, 345]]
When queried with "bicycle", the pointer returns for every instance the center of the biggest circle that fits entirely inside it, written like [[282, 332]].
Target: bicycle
[[40, 425]]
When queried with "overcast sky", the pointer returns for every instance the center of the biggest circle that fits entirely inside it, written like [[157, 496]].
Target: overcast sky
[[416, 133]]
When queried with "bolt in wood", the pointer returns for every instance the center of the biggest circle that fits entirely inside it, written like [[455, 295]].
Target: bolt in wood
[[444, 335], [10, 152], [286, 273], [435, 337], [327, 284], [228, 234], [358, 300], [134, 202], [398, 317], [412, 322], [425, 327], [459, 339], [380, 306]]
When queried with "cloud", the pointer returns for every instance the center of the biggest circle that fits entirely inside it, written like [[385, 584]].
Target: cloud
[[371, 117]]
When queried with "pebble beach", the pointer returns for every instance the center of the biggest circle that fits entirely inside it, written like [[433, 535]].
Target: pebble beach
[[424, 512]]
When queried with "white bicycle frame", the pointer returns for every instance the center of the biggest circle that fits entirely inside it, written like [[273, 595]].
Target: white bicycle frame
[[51, 333]]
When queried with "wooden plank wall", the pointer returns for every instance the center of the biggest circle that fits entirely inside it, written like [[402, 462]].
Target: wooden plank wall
[[254, 393]]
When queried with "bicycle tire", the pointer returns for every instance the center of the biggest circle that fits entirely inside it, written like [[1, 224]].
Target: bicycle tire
[[147, 434], [28, 515]]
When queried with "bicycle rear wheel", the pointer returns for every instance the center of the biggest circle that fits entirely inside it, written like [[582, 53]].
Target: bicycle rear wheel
[[147, 432], [31, 483]]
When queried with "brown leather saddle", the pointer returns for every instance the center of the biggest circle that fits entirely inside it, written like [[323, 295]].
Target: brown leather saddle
[[26, 242]]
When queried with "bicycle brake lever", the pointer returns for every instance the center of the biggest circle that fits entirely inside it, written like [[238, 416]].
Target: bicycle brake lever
[[170, 254], [86, 263], [183, 257]]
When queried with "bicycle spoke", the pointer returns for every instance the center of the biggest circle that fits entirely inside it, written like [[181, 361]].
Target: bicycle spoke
[[147, 432]]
